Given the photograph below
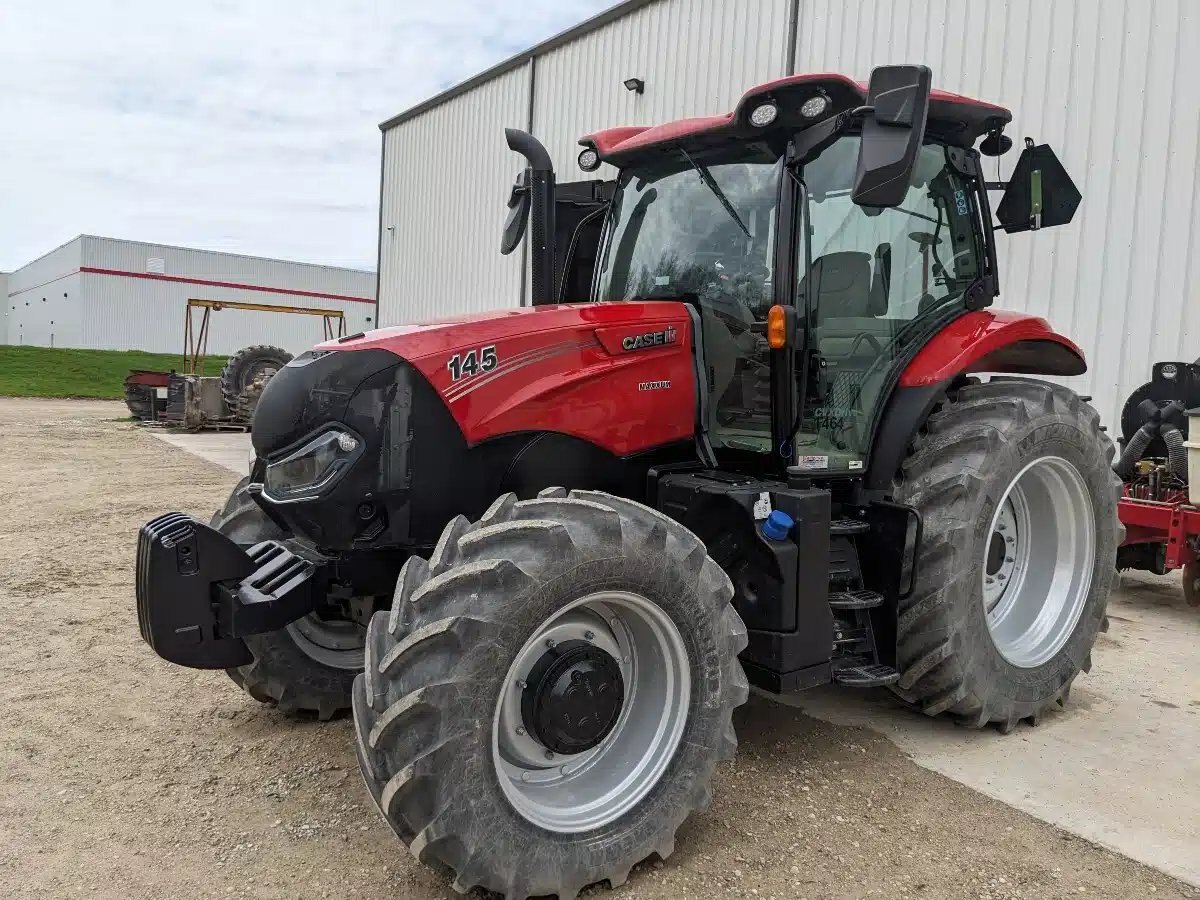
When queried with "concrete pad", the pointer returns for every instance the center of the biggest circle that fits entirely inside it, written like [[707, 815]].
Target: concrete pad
[[1120, 765], [230, 449]]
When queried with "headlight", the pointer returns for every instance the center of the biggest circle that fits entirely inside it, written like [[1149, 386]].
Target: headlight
[[308, 471]]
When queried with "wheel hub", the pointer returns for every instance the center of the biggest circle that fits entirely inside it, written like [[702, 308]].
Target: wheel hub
[[573, 697], [591, 711]]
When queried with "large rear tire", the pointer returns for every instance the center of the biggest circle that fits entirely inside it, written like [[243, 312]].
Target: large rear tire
[[308, 667], [1018, 501], [586, 600]]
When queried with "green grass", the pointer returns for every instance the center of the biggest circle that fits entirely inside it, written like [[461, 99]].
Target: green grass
[[54, 372]]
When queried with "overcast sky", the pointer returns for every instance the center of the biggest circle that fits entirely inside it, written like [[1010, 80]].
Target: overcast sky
[[242, 126]]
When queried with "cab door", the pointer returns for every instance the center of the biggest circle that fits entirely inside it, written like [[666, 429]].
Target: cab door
[[876, 282]]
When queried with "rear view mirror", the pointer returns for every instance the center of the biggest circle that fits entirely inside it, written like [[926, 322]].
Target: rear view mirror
[[891, 134], [518, 214], [1040, 193]]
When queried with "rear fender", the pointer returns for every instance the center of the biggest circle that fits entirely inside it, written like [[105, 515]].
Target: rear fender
[[994, 341], [980, 341]]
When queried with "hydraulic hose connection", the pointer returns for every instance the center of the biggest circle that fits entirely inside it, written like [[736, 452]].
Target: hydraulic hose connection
[[1177, 460], [1134, 449], [1158, 422]]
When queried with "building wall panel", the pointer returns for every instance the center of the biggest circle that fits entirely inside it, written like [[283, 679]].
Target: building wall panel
[[447, 173], [1105, 83], [101, 293], [125, 313], [5, 309], [697, 57], [42, 297]]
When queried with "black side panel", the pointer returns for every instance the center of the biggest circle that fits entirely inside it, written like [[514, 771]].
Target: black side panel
[[907, 409]]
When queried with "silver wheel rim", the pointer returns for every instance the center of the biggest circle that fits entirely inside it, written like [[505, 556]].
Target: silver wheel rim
[[1038, 561], [337, 643], [569, 794]]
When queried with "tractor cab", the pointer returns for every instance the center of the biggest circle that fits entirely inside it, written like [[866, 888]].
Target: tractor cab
[[858, 218]]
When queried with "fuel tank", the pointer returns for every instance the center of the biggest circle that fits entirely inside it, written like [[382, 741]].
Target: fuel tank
[[619, 375]]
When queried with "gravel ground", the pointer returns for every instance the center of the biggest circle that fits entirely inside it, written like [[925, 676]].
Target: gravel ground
[[125, 777]]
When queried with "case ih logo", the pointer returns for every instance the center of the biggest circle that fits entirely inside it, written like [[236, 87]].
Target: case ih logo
[[650, 339]]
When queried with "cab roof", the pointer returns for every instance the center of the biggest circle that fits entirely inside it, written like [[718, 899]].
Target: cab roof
[[954, 118]]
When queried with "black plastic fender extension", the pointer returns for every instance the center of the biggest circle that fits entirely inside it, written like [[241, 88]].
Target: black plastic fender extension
[[199, 593]]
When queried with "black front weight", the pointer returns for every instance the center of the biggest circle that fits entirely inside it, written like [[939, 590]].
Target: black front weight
[[199, 593]]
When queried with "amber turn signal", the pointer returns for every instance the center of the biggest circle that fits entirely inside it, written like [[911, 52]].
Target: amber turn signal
[[777, 328]]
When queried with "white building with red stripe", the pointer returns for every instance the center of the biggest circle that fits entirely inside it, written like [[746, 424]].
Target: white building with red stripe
[[109, 294]]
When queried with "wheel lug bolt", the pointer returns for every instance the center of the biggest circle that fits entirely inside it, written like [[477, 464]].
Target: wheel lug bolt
[[550, 643], [990, 579], [520, 730], [549, 754], [522, 684], [589, 635], [1002, 528], [1001, 577], [1011, 540], [1008, 559]]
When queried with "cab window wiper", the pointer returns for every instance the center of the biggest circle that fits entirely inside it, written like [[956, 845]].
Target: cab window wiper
[[711, 184]]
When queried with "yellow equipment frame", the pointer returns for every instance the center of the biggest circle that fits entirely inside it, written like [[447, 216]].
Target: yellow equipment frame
[[195, 342]]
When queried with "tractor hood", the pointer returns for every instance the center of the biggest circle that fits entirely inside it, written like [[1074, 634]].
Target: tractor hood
[[618, 375], [437, 413], [434, 340]]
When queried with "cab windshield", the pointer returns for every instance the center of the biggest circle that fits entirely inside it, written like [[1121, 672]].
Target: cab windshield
[[702, 226]]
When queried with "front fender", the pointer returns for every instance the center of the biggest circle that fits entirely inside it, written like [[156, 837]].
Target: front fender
[[994, 341]]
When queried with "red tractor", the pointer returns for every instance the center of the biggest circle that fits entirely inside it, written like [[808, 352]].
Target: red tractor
[[541, 552]]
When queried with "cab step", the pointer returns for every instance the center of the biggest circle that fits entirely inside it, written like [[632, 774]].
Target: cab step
[[866, 675], [855, 599], [849, 526]]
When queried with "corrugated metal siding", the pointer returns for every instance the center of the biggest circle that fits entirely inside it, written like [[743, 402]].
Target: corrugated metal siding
[[1107, 84], [697, 57], [4, 310], [42, 298], [127, 313], [46, 315], [136, 256], [58, 263], [447, 173]]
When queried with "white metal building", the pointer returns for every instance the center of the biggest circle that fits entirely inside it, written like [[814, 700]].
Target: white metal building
[[107, 294], [1105, 82]]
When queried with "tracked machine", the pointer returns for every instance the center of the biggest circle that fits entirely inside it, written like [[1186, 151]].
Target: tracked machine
[[541, 552]]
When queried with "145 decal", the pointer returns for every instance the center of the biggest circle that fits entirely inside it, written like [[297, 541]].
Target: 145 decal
[[464, 365]]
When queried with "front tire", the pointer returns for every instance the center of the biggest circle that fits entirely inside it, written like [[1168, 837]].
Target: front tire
[[308, 666], [582, 622], [1018, 502]]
